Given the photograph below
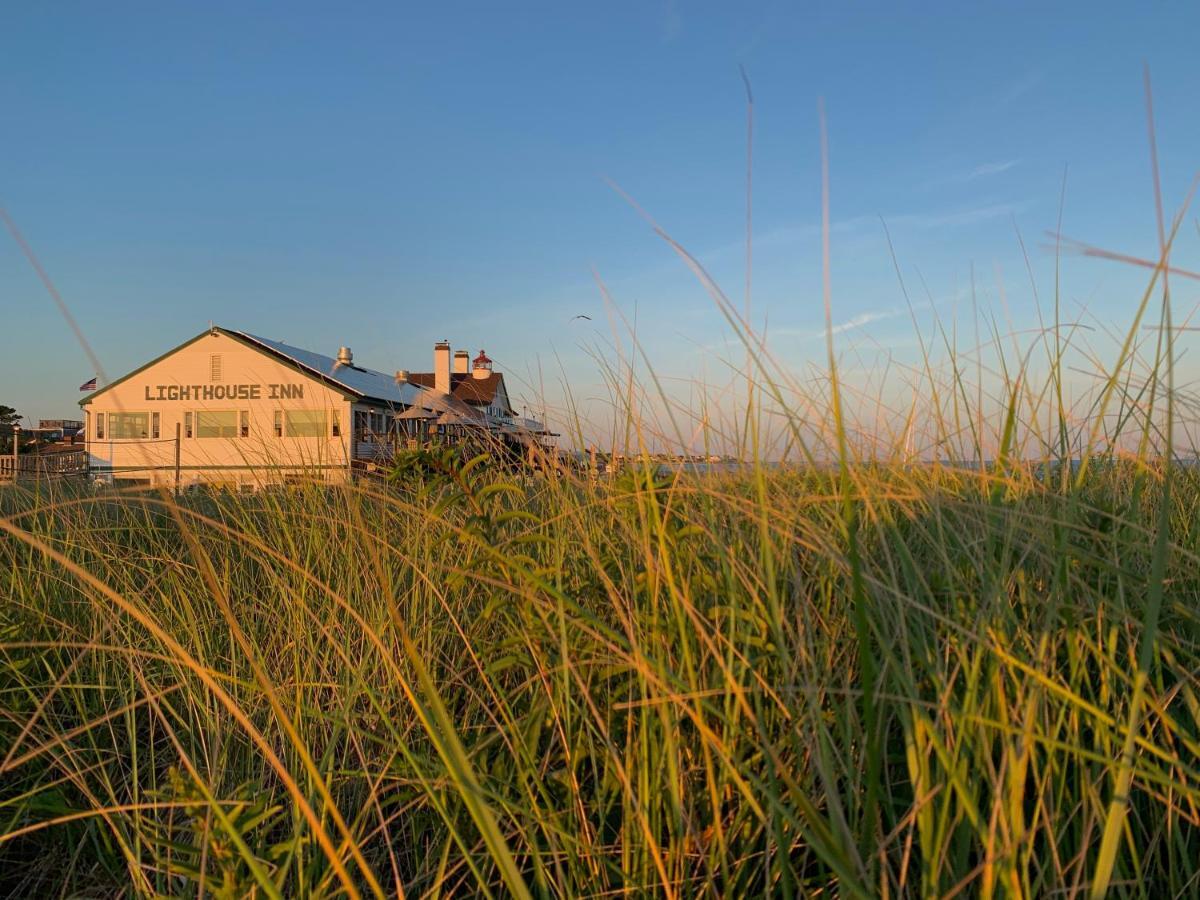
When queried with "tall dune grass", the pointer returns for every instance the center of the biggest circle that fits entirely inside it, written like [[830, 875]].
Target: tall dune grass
[[949, 648], [872, 672]]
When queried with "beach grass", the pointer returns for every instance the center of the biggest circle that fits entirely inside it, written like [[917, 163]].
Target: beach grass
[[884, 674], [934, 634]]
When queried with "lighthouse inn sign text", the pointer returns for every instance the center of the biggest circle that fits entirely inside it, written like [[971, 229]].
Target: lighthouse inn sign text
[[225, 392]]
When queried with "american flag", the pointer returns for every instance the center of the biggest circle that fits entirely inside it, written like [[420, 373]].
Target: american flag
[[89, 385]]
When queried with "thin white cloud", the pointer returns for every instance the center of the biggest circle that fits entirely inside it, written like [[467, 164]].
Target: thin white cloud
[[859, 321], [992, 168], [1018, 88], [864, 318], [861, 228], [983, 170], [785, 235], [969, 216]]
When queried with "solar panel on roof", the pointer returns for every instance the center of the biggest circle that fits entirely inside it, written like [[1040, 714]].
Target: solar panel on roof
[[356, 379]]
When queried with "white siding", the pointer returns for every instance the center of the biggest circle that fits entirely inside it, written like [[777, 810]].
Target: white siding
[[214, 374]]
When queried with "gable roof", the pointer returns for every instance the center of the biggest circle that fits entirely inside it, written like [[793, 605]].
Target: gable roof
[[479, 390], [354, 382], [466, 387]]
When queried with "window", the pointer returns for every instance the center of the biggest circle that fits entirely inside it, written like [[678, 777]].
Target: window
[[155, 425], [278, 423], [337, 424], [214, 367], [244, 423], [187, 424], [306, 423], [99, 426], [216, 423], [128, 425]]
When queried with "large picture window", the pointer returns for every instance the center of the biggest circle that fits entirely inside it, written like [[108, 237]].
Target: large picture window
[[306, 423], [217, 423], [128, 425]]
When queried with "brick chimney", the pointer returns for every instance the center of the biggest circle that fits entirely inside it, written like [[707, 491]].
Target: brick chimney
[[441, 367], [462, 362]]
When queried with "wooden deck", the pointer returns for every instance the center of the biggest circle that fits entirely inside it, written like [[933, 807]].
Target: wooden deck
[[64, 464]]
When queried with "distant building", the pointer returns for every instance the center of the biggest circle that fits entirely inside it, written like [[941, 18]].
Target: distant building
[[65, 427], [234, 409]]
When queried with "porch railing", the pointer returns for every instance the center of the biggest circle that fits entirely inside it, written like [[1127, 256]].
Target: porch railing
[[44, 465]]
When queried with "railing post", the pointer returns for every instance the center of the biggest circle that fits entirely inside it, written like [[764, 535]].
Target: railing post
[[177, 448]]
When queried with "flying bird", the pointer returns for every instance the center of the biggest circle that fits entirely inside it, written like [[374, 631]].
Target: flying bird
[[581, 316]]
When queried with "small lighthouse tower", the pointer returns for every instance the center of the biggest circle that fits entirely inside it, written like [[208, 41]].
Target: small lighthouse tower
[[481, 366]]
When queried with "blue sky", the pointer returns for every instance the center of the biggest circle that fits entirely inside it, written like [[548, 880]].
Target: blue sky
[[385, 175]]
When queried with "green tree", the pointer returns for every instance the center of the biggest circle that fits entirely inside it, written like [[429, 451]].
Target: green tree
[[8, 418]]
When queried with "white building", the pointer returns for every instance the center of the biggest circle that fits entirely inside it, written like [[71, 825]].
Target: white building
[[230, 408]]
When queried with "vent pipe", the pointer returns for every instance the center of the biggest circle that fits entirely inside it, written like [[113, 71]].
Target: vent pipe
[[345, 357]]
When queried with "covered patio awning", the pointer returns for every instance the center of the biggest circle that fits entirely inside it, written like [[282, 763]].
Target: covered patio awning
[[469, 417], [416, 413], [444, 409], [431, 401]]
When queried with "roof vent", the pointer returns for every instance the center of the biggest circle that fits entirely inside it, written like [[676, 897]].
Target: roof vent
[[345, 357], [401, 376]]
